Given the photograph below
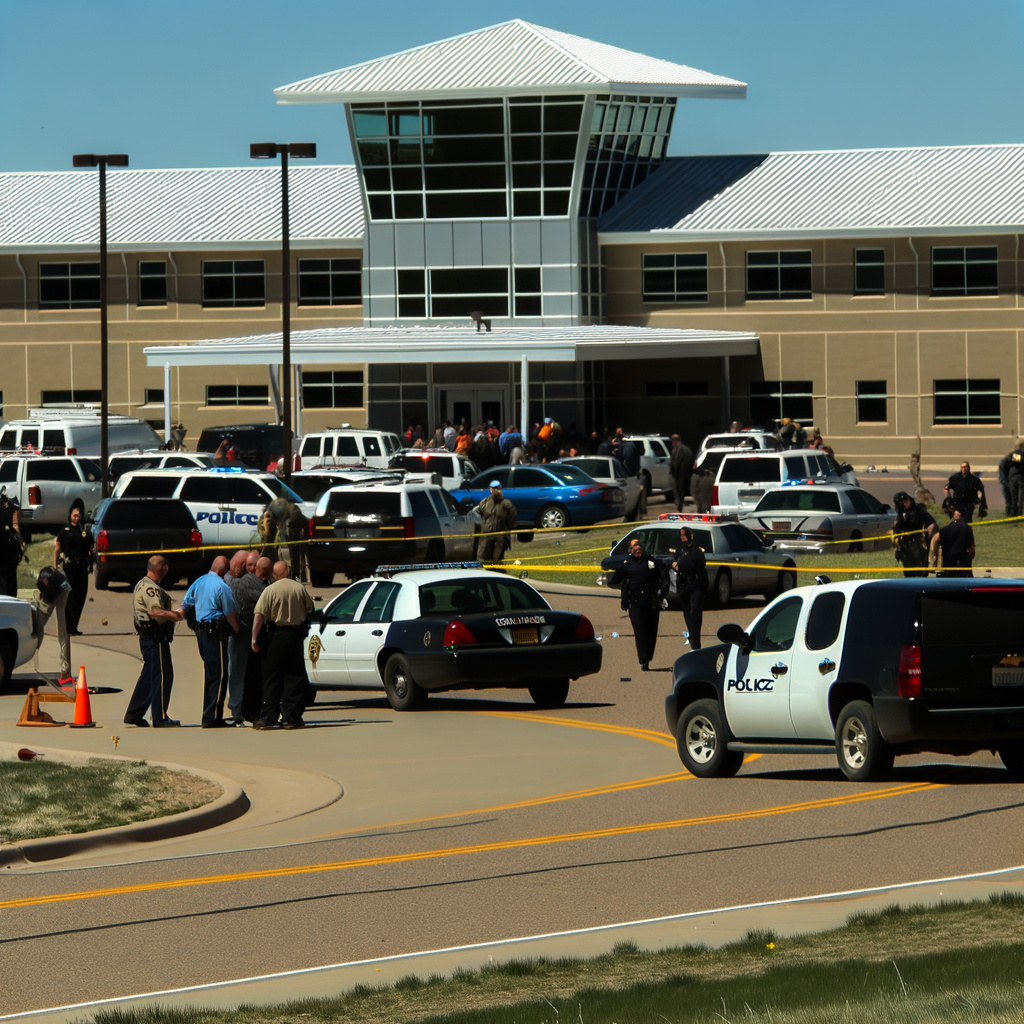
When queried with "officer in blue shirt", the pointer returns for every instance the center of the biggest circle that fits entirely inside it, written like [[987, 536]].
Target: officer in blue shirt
[[216, 618]]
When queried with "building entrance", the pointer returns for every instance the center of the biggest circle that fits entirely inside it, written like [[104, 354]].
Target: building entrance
[[475, 405]]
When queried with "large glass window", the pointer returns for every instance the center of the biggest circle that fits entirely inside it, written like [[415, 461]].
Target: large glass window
[[676, 277], [871, 401], [779, 275], [69, 285], [774, 399], [237, 394], [74, 397], [152, 283], [869, 271], [233, 283], [970, 270], [459, 292], [332, 389], [967, 401], [330, 282]]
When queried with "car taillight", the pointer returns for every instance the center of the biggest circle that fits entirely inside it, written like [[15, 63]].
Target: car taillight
[[584, 629], [826, 527], [197, 538], [102, 542], [908, 677], [410, 527], [312, 528], [610, 494], [71, 451], [35, 495], [714, 495], [458, 634]]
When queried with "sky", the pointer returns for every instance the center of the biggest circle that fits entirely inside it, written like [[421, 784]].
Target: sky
[[190, 83]]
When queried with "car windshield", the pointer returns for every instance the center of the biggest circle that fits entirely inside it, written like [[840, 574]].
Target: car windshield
[[593, 467], [280, 490], [442, 464], [569, 474], [478, 594], [798, 501]]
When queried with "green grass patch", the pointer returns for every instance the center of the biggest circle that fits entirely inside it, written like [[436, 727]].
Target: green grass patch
[[38, 553], [954, 962], [50, 798]]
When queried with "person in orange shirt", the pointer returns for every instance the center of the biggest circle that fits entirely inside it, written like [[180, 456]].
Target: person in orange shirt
[[463, 441]]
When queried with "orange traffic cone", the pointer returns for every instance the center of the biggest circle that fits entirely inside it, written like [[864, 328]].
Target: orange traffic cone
[[83, 709]]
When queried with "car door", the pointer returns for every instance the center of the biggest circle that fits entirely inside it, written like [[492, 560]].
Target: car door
[[757, 684], [204, 496], [661, 472], [873, 518], [373, 452], [328, 639], [459, 528], [730, 548], [530, 490], [816, 655], [242, 502], [309, 453], [429, 526], [366, 636]]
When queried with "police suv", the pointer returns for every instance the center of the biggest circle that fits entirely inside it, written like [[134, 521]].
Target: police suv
[[866, 670]]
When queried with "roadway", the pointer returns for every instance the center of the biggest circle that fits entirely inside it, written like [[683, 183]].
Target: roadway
[[481, 818]]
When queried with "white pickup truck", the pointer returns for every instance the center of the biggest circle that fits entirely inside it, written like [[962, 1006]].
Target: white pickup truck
[[17, 644], [46, 486]]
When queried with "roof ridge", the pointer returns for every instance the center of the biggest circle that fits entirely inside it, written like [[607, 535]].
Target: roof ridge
[[199, 170], [541, 32]]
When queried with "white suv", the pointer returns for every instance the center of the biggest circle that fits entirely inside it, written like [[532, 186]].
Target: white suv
[[655, 462], [454, 470], [46, 486], [77, 432], [745, 477], [347, 447]]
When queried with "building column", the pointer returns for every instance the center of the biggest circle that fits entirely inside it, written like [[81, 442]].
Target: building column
[[524, 399], [167, 403], [726, 394]]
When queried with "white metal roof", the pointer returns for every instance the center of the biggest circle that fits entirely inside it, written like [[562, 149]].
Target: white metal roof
[[206, 208], [457, 344], [940, 190], [515, 56]]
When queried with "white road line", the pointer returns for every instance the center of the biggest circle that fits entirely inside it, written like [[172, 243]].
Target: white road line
[[305, 971]]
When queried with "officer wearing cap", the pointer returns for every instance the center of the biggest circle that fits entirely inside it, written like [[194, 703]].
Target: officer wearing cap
[[691, 583], [499, 520], [912, 533], [642, 578]]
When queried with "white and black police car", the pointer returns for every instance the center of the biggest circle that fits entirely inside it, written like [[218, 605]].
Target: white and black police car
[[420, 629], [866, 670]]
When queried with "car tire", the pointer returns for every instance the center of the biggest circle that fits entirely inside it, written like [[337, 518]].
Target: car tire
[[321, 577], [100, 582], [551, 693], [856, 543], [6, 664], [1012, 757], [524, 538], [860, 750], [702, 739], [786, 582], [403, 692], [553, 517], [722, 590]]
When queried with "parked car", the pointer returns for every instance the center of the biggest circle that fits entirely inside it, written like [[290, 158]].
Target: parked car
[[17, 643], [312, 484], [346, 446], [126, 529], [118, 465], [454, 470], [655, 462], [259, 444], [548, 496], [76, 431], [420, 630], [606, 469], [745, 477], [752, 440], [357, 527], [46, 486], [811, 517]]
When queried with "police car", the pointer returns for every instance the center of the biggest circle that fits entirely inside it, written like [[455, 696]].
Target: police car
[[17, 642], [420, 629], [865, 670]]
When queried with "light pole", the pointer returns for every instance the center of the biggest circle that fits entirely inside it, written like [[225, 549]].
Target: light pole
[[267, 151], [102, 160]]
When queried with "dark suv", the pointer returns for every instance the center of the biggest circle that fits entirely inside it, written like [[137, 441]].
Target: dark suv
[[129, 530], [259, 444]]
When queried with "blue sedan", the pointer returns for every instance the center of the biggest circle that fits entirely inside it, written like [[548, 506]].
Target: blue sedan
[[551, 496]]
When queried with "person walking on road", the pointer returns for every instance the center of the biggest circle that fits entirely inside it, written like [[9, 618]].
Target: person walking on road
[[247, 588], [957, 542], [966, 490], [641, 577], [284, 608], [499, 520], [212, 603], [691, 583], [681, 466], [72, 553], [154, 622]]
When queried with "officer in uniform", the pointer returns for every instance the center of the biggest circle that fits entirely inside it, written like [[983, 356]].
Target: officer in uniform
[[283, 609], [53, 590], [285, 524], [681, 466], [966, 490], [499, 514], [641, 577], [957, 541], [691, 583], [73, 555], [247, 588], [154, 622], [1011, 476], [11, 548], [210, 603], [912, 534]]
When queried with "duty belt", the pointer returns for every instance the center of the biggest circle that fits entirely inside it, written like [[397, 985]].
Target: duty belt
[[158, 632], [219, 629], [79, 560]]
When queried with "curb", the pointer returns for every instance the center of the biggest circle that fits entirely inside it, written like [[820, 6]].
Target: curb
[[232, 803]]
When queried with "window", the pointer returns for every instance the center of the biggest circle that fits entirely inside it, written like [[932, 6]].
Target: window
[[203, 489], [527, 291], [345, 607], [154, 396], [381, 605], [371, 446], [752, 470], [774, 399], [973, 270], [871, 401], [824, 620], [544, 135], [674, 389], [479, 595], [151, 487], [330, 282], [869, 271], [776, 629], [676, 277], [531, 478], [52, 469], [792, 500], [69, 285], [152, 283], [967, 401], [73, 397], [332, 389], [233, 283], [779, 275], [237, 394], [412, 293], [457, 293], [8, 471]]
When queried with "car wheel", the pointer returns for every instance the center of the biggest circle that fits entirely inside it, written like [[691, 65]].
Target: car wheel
[[1013, 759], [787, 581], [553, 517], [645, 479], [550, 694], [723, 588], [524, 538], [403, 692], [321, 577], [702, 739], [100, 582], [862, 753], [7, 665], [856, 543]]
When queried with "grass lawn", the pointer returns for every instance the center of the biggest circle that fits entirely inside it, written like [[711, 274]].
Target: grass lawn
[[49, 798], [955, 962], [39, 553]]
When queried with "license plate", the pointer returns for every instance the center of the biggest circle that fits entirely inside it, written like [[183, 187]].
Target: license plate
[[781, 526], [752, 496], [525, 636], [359, 532], [1008, 675]]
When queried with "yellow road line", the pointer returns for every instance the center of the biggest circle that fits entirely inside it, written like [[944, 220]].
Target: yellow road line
[[623, 730], [462, 851]]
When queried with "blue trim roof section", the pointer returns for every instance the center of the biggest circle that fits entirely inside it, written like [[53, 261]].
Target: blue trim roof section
[[928, 191]]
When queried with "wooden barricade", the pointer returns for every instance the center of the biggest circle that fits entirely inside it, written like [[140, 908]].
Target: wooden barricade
[[30, 713]]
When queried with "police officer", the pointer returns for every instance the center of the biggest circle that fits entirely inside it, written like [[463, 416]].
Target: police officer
[[681, 466], [966, 490], [247, 588], [284, 607], [216, 617], [72, 554], [53, 590], [691, 583], [912, 533], [285, 522], [499, 519], [154, 622], [957, 541], [12, 550], [1011, 470], [641, 577]]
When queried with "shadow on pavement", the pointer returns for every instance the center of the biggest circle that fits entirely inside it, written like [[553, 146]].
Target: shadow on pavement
[[947, 774], [438, 702]]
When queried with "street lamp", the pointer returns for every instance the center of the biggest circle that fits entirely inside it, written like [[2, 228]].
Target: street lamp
[[267, 151], [102, 160]]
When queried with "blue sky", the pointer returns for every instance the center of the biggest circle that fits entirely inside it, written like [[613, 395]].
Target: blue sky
[[189, 83]]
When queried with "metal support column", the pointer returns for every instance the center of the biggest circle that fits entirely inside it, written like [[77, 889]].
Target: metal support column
[[726, 394], [524, 400], [167, 403]]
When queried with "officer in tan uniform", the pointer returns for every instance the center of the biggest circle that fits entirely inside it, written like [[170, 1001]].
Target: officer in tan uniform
[[154, 622], [282, 609]]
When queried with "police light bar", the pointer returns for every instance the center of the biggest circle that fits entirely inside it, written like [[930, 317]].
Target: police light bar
[[390, 570], [690, 517], [226, 469], [801, 483]]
